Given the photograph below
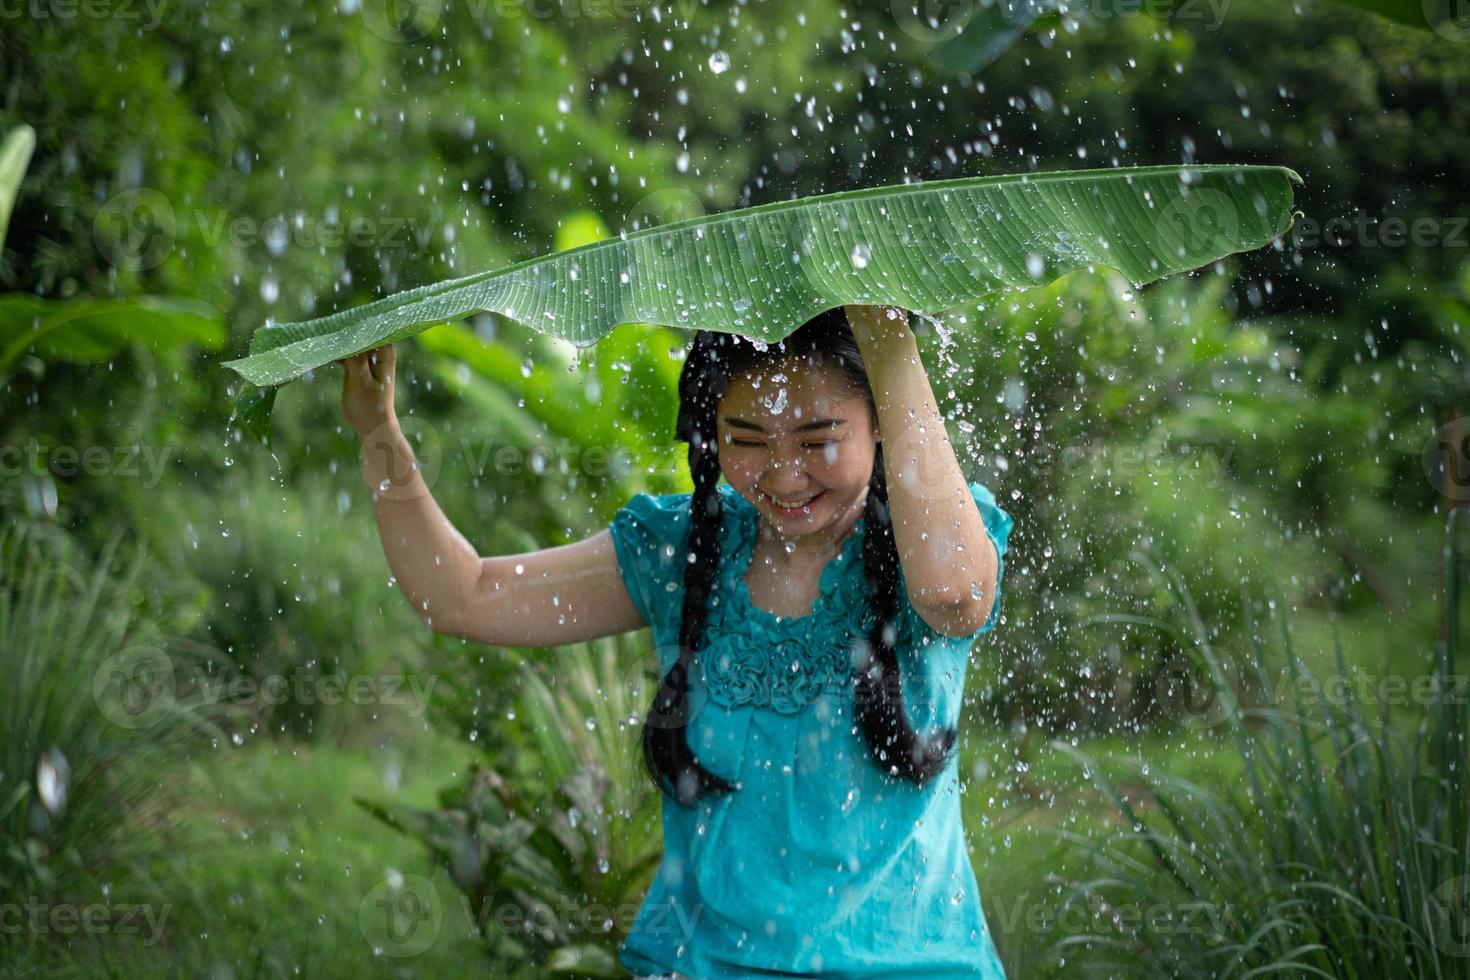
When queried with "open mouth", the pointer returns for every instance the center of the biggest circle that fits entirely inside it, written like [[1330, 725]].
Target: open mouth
[[791, 508]]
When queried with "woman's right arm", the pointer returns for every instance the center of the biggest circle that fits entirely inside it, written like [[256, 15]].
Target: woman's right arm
[[568, 594]]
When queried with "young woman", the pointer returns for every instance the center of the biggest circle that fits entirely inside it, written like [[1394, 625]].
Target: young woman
[[813, 617]]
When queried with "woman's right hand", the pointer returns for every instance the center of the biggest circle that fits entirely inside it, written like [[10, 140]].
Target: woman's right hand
[[367, 388]]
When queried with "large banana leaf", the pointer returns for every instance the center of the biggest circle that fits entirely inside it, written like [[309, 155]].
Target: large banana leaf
[[763, 271]]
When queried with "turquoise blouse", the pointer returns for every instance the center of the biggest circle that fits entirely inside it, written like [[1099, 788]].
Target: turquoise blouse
[[817, 863]]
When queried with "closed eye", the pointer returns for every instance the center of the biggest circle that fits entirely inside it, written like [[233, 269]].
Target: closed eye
[[805, 445]]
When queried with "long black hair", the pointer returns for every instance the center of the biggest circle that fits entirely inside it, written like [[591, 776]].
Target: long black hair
[[713, 360]]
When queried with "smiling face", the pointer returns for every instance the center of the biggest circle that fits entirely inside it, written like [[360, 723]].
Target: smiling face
[[789, 433]]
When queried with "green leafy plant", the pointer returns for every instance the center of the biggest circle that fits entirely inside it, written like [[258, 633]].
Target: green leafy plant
[[552, 861], [85, 330], [765, 270], [623, 406], [996, 25], [93, 331], [1346, 851]]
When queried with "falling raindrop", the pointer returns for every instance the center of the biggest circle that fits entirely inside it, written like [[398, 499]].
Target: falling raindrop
[[53, 777]]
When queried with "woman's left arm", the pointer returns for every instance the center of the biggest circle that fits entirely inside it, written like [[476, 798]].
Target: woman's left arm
[[949, 563]]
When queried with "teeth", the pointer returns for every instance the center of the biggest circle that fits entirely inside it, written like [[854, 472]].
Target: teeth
[[791, 506]]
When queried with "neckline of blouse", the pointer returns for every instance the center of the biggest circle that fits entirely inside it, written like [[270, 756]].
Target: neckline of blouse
[[743, 552]]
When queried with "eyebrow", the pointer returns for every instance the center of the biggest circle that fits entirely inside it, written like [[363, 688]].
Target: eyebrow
[[735, 423]]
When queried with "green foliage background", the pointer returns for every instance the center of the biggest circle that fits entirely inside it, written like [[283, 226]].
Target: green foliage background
[[1260, 428]]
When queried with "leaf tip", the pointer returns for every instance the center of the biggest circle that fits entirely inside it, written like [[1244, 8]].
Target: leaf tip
[[253, 407]]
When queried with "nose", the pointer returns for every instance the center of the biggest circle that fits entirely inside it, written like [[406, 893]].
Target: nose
[[783, 475]]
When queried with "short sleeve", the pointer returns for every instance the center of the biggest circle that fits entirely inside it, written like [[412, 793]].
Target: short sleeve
[[648, 535], [998, 525]]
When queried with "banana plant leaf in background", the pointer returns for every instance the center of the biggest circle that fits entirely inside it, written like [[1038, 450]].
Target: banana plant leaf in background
[[15, 156], [763, 271], [85, 330], [93, 331], [996, 25]]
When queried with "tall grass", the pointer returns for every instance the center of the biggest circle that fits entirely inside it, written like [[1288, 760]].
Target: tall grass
[[85, 715], [1345, 853]]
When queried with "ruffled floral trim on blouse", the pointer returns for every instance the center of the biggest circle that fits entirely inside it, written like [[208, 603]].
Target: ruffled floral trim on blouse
[[753, 657]]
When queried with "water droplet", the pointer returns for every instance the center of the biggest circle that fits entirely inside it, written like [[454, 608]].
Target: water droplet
[[719, 62], [861, 253], [53, 775]]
